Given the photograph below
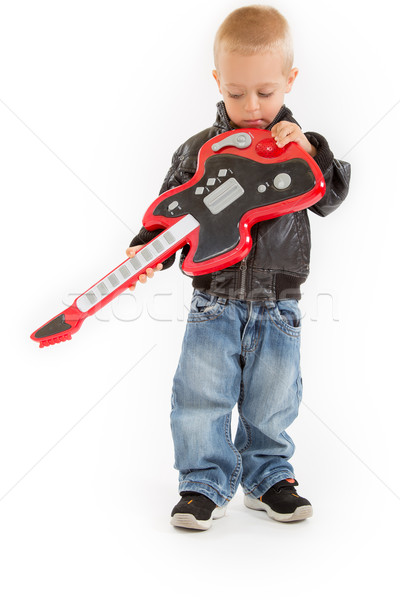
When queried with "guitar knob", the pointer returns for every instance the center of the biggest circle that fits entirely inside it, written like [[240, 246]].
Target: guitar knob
[[282, 181], [238, 140], [268, 149]]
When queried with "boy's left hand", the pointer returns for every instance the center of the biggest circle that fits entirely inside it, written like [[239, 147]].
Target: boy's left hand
[[285, 132]]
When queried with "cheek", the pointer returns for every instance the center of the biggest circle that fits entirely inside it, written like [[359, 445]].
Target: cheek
[[233, 111], [227, 101], [231, 104]]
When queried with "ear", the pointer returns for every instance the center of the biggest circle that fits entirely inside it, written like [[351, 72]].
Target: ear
[[215, 75], [290, 80]]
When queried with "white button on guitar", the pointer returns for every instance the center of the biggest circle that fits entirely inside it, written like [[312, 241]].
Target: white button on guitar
[[173, 205], [282, 181]]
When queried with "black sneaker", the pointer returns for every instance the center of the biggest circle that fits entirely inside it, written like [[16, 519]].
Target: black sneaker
[[282, 503], [195, 511]]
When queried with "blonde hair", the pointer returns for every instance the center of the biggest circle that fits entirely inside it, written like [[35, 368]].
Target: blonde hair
[[255, 29]]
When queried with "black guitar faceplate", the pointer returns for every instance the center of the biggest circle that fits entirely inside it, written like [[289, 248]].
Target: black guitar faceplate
[[219, 233]]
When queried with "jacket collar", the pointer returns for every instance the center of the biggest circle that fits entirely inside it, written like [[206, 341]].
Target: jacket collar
[[223, 121]]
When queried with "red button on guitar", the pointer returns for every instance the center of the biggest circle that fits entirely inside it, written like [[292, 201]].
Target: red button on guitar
[[268, 148]]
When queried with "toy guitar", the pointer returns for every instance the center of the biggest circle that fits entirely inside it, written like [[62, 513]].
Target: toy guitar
[[242, 178]]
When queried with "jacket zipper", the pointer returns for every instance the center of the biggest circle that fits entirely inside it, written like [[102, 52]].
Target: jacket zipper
[[243, 270]]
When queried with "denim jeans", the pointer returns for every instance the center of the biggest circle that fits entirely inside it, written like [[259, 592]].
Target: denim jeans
[[244, 353]]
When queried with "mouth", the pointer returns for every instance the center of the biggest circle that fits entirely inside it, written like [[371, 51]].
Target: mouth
[[254, 123]]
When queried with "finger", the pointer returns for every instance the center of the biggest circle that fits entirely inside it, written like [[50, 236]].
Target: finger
[[132, 250], [274, 130], [283, 131], [279, 127], [286, 134], [282, 142], [292, 137], [142, 278], [150, 271], [132, 287], [285, 137]]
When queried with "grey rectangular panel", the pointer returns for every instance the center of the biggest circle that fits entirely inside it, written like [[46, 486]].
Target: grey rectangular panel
[[223, 196], [124, 271], [147, 254], [136, 263], [113, 279], [158, 246], [169, 237], [91, 296], [102, 288]]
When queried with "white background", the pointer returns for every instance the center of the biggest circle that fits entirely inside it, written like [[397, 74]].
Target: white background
[[94, 99]]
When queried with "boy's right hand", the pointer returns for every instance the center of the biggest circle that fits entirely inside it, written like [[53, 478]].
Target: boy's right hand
[[130, 252]]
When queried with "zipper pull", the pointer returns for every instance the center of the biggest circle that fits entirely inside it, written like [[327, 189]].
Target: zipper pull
[[243, 263]]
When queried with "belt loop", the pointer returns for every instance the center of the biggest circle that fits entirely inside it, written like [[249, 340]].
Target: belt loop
[[273, 286]]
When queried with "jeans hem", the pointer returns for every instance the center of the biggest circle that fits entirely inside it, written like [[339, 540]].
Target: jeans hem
[[206, 489], [261, 488]]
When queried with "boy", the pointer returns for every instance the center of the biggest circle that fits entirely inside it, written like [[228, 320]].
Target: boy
[[242, 340]]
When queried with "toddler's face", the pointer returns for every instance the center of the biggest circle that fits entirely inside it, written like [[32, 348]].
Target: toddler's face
[[253, 87]]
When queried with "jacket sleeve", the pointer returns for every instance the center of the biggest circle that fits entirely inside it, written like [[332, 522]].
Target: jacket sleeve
[[171, 180], [336, 174]]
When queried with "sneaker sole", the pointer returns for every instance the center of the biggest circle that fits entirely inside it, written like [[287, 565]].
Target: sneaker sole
[[301, 512], [189, 521]]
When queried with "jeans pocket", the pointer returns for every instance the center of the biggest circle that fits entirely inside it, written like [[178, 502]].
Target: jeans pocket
[[205, 305], [287, 316]]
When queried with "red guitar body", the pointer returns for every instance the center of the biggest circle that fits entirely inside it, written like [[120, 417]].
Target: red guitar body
[[223, 237], [242, 178]]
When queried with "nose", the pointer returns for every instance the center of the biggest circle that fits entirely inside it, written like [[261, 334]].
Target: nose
[[252, 103]]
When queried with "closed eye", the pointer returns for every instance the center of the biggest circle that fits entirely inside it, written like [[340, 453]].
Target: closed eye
[[237, 96]]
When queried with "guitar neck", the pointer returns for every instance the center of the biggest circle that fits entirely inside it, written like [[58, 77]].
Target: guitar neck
[[128, 272], [61, 327]]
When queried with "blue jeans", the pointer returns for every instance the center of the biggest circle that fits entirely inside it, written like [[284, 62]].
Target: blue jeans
[[240, 352]]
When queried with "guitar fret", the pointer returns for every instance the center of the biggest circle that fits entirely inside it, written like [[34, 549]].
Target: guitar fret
[[113, 279], [91, 296], [158, 245], [136, 263], [147, 254], [169, 237], [102, 288], [124, 271]]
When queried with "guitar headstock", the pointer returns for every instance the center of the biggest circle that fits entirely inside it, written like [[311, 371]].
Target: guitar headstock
[[59, 328]]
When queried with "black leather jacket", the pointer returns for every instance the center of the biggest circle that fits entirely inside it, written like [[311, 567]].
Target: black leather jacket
[[278, 262]]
